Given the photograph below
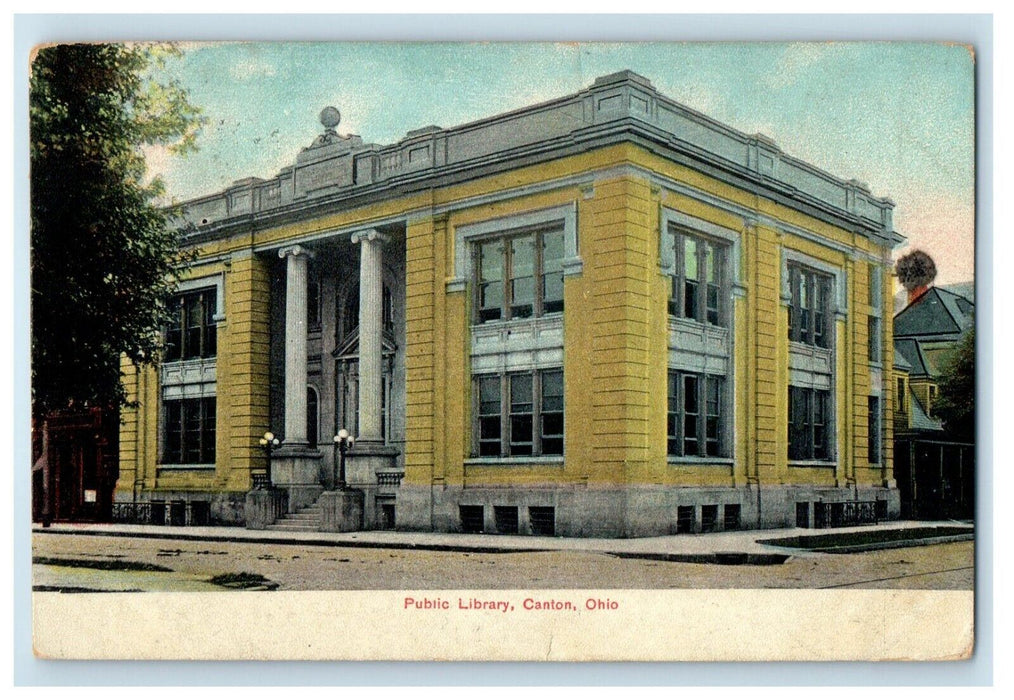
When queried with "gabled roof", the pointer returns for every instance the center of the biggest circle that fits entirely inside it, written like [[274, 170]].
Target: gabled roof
[[900, 361], [962, 289], [911, 354], [937, 312], [920, 419]]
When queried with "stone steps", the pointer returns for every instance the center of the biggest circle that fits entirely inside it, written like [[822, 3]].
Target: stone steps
[[304, 520]]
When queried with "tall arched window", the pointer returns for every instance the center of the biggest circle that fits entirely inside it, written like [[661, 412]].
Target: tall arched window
[[312, 416], [347, 308], [346, 354]]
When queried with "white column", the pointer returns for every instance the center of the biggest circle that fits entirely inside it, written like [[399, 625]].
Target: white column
[[295, 343], [371, 306]]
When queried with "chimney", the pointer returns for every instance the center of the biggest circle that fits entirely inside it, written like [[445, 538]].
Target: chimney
[[914, 294]]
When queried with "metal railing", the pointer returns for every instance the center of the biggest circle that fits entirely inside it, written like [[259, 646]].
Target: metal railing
[[848, 513], [136, 513], [177, 513], [389, 478]]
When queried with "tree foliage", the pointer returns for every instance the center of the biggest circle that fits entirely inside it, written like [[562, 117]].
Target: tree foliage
[[955, 403], [104, 259], [916, 269]]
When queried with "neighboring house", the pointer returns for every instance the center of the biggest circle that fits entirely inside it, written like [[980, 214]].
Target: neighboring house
[[74, 465], [602, 315], [935, 471]]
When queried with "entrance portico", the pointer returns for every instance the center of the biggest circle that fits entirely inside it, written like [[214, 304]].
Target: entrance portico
[[296, 464], [337, 337]]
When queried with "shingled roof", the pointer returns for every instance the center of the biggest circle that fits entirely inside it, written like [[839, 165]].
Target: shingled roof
[[938, 312]]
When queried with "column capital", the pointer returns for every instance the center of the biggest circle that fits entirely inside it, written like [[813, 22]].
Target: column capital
[[294, 250], [370, 234]]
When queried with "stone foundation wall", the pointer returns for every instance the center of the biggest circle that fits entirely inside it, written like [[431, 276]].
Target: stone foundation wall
[[637, 512], [223, 508]]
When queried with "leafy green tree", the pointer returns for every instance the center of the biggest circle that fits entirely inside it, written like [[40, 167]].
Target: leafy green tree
[[104, 257], [955, 403]]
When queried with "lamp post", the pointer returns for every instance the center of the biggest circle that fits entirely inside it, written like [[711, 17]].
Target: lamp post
[[267, 443], [343, 443]]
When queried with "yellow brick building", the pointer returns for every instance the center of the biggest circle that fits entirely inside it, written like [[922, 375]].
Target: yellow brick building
[[603, 315]]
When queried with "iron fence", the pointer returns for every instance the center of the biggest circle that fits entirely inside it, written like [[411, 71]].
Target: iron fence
[[847, 513], [135, 513], [163, 513]]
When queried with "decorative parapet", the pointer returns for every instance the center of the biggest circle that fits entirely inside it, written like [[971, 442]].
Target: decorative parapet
[[698, 347], [616, 107], [810, 366], [188, 378], [517, 346]]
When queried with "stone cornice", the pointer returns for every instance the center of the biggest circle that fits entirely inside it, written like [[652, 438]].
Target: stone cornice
[[623, 107]]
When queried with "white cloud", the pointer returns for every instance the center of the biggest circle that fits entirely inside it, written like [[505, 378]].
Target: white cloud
[[795, 59], [943, 225], [248, 69]]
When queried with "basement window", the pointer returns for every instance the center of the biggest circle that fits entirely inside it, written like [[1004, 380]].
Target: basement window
[[543, 520], [506, 518], [684, 519], [709, 518], [803, 515], [732, 516], [472, 518]]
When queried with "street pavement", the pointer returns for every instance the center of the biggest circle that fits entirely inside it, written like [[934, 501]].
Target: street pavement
[[683, 547], [112, 557]]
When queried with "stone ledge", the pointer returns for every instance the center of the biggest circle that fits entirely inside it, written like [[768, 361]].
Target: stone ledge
[[341, 511]]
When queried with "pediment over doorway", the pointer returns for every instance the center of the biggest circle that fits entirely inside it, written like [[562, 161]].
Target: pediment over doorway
[[348, 348]]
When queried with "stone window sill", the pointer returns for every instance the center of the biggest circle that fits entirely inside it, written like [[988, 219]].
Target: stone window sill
[[186, 467], [508, 322], [700, 461], [810, 463], [548, 460], [675, 321]]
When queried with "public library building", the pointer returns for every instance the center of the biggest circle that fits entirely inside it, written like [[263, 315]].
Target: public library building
[[606, 315]]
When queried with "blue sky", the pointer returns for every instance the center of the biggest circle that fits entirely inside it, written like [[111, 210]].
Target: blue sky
[[898, 116]]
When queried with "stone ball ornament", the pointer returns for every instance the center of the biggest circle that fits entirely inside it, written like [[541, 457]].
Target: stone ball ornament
[[330, 117]]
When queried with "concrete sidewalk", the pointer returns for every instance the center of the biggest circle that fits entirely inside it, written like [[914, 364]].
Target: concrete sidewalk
[[740, 546]]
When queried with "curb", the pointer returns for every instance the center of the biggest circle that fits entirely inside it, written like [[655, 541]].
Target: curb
[[724, 558], [434, 547], [899, 544]]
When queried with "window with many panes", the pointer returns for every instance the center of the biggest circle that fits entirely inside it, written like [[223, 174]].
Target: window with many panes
[[519, 276], [809, 306], [189, 431], [347, 312], [809, 421], [312, 416], [698, 280], [876, 341], [192, 332], [313, 305], [696, 415], [873, 424], [875, 326], [519, 414]]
